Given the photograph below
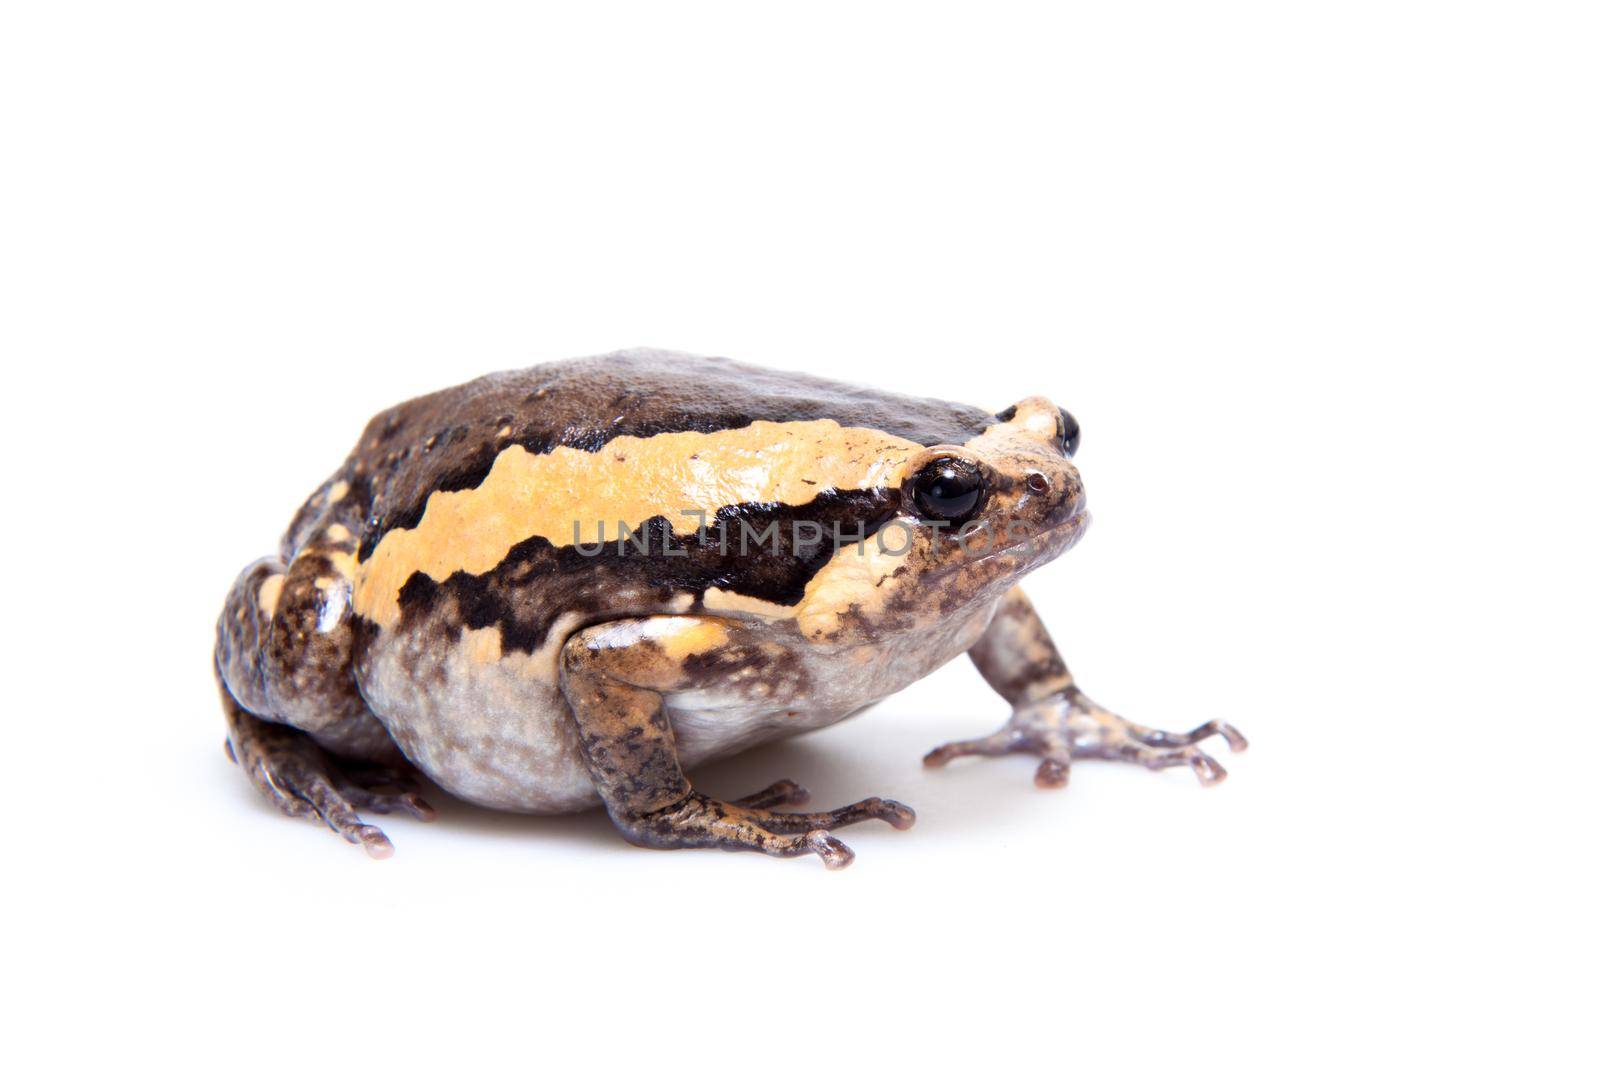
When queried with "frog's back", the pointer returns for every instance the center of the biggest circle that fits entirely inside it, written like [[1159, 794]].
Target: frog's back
[[636, 436], [448, 441]]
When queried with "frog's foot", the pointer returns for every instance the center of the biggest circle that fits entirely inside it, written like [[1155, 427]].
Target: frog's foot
[[698, 821], [301, 779], [1071, 726]]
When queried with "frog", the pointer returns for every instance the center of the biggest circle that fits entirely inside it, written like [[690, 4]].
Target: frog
[[567, 586]]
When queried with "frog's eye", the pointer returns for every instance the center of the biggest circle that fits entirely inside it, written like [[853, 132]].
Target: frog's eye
[[1069, 432], [948, 488]]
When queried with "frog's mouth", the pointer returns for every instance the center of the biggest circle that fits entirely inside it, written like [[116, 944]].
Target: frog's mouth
[[1029, 553]]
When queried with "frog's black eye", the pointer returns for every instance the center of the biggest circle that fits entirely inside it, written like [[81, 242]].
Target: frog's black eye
[[949, 489], [1069, 432]]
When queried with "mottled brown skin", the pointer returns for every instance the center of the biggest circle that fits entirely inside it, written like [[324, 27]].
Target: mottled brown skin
[[437, 601]]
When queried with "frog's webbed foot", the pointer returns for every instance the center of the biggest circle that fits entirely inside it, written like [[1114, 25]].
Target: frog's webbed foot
[[301, 779], [699, 821], [1070, 726]]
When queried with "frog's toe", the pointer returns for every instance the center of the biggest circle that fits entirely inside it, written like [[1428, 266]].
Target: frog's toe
[[282, 795], [996, 744], [1053, 773], [1164, 739], [836, 855], [410, 802], [892, 812], [377, 788], [782, 792], [375, 841], [786, 791], [1207, 769]]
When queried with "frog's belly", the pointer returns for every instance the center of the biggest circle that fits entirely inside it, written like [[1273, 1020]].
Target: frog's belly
[[489, 727], [495, 730]]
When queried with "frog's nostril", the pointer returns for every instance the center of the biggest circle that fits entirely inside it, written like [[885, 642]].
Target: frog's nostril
[[1038, 483]]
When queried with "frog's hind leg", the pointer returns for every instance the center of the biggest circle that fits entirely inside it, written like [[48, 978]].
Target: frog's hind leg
[[304, 780], [614, 676], [296, 723]]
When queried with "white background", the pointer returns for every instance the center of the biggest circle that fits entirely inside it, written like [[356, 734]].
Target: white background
[[1319, 281]]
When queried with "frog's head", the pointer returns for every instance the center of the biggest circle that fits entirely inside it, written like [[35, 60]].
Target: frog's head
[[982, 513]]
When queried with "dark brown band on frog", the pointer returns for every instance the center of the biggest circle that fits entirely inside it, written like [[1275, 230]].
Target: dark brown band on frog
[[587, 578]]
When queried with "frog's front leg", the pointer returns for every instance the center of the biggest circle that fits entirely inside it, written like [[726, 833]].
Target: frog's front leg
[[616, 677], [1051, 717]]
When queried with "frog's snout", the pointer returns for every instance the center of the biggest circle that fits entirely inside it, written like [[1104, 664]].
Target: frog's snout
[[1057, 495]]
